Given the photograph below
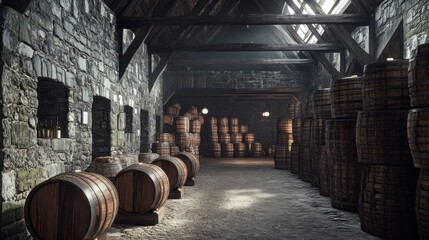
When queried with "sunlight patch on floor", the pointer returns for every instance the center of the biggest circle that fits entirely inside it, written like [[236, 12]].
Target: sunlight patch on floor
[[243, 198]]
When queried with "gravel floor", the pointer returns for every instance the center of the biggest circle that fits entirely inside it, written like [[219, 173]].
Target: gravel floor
[[246, 198]]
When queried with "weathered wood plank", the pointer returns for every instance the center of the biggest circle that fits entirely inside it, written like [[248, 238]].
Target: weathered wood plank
[[153, 77], [245, 47], [239, 61], [248, 19]]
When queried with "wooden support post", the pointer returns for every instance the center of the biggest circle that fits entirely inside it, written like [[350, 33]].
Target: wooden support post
[[153, 77]]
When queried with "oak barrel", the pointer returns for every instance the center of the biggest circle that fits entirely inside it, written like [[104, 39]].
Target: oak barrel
[[174, 150], [236, 138], [225, 138], [223, 129], [284, 125], [165, 137], [215, 149], [167, 119], [256, 150], [195, 126], [249, 138], [305, 155], [214, 137], [322, 103], [422, 204], [239, 149], [77, 205], [223, 121], [191, 161], [182, 124], [418, 77], [183, 140], [387, 200], [213, 121], [175, 169], [233, 121], [325, 183], [316, 142], [284, 139], [107, 166], [295, 110], [346, 97], [385, 86], [243, 129], [281, 158], [173, 110], [381, 137], [343, 164], [227, 150], [418, 136], [234, 129], [294, 157], [148, 157], [296, 129], [162, 148]]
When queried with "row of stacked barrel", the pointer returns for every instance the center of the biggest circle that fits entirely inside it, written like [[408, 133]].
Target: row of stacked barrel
[[372, 142], [285, 139], [229, 139], [182, 135], [109, 192]]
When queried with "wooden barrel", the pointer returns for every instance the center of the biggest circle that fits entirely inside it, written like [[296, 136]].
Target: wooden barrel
[[173, 110], [234, 129], [343, 164], [107, 166], [294, 158], [271, 150], [174, 150], [165, 137], [387, 200], [213, 121], [167, 119], [385, 86], [308, 111], [191, 161], [183, 140], [162, 148], [305, 160], [194, 112], [175, 169], [148, 157], [295, 110], [322, 103], [381, 137], [346, 97], [196, 139], [317, 140], [182, 124], [284, 139], [418, 136], [225, 138], [243, 129], [233, 121], [422, 204], [214, 137], [236, 138], [223, 129], [227, 150], [195, 126], [239, 149], [188, 115], [296, 129], [78, 205], [215, 149], [249, 138], [142, 188], [284, 125], [418, 83], [324, 174], [281, 158], [223, 121], [256, 150]]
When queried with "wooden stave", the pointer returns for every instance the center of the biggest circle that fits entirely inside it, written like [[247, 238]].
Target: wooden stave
[[191, 161], [107, 169], [418, 85], [97, 190], [214, 137], [236, 138], [400, 220], [324, 173], [305, 152], [284, 125], [195, 126], [239, 149], [161, 148], [256, 149], [344, 170], [417, 132], [183, 140], [181, 124], [215, 149], [165, 137], [234, 129], [223, 129], [281, 158], [317, 140], [422, 204], [249, 138], [391, 142], [285, 139], [346, 97], [175, 169], [322, 103], [295, 110], [386, 93], [227, 150], [296, 129], [294, 157], [225, 138]]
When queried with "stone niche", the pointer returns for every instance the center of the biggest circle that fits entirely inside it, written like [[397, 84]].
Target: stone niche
[[144, 135], [101, 129], [53, 109]]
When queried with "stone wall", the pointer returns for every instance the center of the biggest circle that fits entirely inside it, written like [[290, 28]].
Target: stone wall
[[72, 42]]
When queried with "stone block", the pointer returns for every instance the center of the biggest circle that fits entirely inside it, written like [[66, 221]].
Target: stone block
[[54, 169], [25, 50], [62, 144], [8, 189], [24, 32], [58, 31], [37, 65], [14, 230], [83, 64], [56, 10], [25, 180], [20, 135], [70, 79]]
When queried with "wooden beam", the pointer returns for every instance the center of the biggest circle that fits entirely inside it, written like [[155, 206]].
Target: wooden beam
[[153, 77], [248, 19], [239, 61], [246, 47]]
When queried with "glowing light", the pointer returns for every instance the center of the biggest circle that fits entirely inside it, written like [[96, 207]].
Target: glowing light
[[390, 59], [266, 114], [354, 75], [204, 111]]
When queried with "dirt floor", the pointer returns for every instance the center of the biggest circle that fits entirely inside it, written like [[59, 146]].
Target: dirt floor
[[246, 198]]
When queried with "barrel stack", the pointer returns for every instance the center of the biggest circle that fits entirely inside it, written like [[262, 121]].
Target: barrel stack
[[296, 134], [215, 148], [170, 113], [389, 179], [340, 178], [305, 152], [284, 142], [418, 132], [322, 113]]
